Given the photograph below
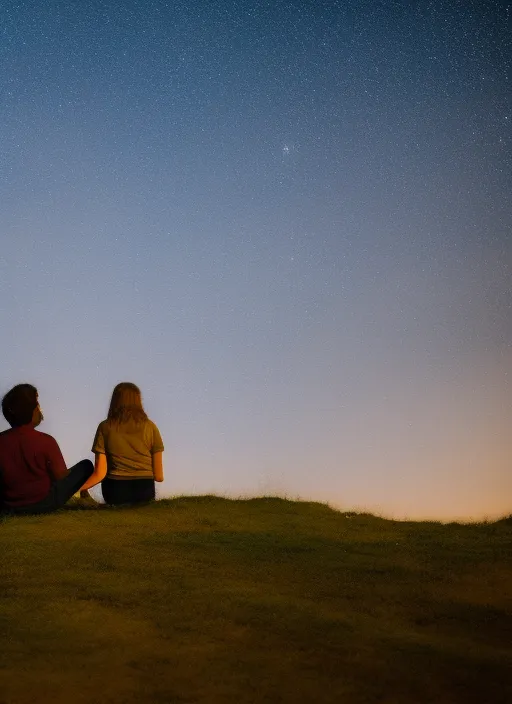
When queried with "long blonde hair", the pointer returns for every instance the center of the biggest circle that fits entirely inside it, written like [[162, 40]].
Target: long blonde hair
[[126, 404]]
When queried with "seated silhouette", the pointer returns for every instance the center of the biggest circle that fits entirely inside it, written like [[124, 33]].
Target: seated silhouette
[[128, 449], [33, 474]]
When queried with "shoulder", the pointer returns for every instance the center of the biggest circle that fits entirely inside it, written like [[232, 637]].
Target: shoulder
[[102, 431], [154, 437], [44, 436], [32, 437], [39, 433], [44, 439], [153, 426]]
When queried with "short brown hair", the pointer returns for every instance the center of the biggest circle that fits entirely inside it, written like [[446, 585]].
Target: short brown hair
[[19, 404], [126, 404]]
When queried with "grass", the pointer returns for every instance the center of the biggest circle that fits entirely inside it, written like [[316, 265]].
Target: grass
[[203, 599]]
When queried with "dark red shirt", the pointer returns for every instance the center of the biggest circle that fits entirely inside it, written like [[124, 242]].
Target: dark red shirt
[[30, 462]]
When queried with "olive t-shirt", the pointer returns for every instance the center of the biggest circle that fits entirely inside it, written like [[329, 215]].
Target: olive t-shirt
[[128, 447]]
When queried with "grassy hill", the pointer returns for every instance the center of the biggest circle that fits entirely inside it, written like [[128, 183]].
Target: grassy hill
[[204, 599]]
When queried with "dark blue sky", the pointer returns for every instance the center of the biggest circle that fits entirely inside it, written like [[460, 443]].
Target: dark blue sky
[[288, 222]]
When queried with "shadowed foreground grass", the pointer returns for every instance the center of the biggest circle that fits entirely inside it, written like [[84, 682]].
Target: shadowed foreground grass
[[204, 599]]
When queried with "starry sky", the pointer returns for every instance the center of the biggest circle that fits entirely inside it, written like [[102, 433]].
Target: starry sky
[[289, 222]]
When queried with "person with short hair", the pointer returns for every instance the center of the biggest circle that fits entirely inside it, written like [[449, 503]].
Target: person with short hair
[[33, 474], [128, 450]]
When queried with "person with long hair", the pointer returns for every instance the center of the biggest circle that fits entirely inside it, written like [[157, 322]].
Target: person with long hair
[[128, 450], [33, 474]]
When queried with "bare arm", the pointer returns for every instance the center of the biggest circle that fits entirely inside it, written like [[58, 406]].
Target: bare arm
[[100, 471], [158, 466]]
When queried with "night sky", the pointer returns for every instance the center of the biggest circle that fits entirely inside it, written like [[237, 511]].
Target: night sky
[[289, 223]]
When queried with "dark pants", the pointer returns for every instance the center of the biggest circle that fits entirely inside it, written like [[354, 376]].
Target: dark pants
[[127, 491], [62, 490]]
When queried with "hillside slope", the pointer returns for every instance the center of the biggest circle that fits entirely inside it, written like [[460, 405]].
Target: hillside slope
[[204, 599]]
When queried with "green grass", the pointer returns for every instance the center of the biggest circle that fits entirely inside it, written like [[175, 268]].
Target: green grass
[[204, 599]]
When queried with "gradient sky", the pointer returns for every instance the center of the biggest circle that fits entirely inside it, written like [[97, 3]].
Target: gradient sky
[[289, 223]]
